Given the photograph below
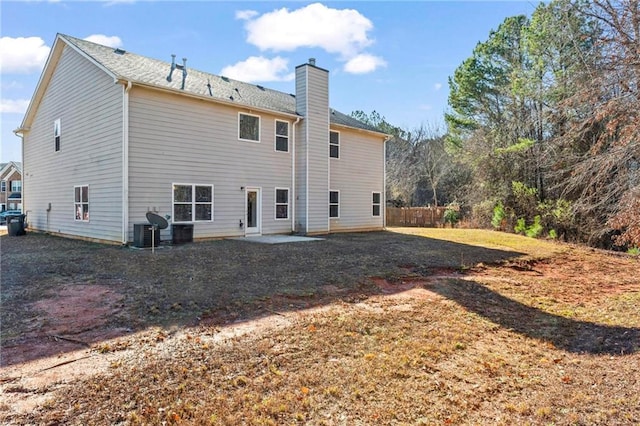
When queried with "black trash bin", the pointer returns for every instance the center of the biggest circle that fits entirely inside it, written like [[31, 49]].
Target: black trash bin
[[15, 225], [181, 234]]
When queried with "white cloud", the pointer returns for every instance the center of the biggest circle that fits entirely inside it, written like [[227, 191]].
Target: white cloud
[[259, 68], [246, 14], [339, 31], [437, 86], [364, 63], [22, 55], [11, 85], [14, 106], [118, 2], [111, 41]]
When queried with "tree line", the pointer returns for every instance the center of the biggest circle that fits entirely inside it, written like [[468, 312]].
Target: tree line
[[542, 130]]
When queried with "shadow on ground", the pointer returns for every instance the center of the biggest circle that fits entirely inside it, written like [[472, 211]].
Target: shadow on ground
[[564, 333], [60, 295]]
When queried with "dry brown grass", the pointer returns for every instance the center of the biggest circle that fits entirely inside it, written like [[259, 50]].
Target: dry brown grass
[[550, 337]]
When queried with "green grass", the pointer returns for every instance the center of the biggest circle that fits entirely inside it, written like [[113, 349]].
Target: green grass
[[534, 248]]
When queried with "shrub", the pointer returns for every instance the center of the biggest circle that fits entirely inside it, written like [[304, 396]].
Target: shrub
[[499, 216], [553, 234], [634, 250], [536, 228], [525, 199], [521, 226], [452, 214]]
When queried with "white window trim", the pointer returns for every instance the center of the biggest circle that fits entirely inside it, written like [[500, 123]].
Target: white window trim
[[330, 204], [333, 144], [276, 204], [193, 202], [3, 186], [259, 127], [376, 204], [13, 183], [275, 138], [88, 203], [57, 127]]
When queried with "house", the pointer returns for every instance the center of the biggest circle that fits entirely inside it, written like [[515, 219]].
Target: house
[[10, 186], [110, 135]]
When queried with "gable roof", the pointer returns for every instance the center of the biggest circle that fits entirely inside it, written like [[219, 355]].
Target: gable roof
[[7, 168], [126, 66]]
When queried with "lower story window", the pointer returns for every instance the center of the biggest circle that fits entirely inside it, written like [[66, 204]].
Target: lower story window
[[282, 203], [81, 204], [334, 204], [377, 196], [192, 203]]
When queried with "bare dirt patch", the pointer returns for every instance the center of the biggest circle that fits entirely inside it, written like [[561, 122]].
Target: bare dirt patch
[[68, 318]]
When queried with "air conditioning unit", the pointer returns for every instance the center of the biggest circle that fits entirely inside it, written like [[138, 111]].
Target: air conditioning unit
[[142, 233]]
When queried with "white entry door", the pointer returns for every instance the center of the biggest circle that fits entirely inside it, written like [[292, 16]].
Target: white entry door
[[253, 207]]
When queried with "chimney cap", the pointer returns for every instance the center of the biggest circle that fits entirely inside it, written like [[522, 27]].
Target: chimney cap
[[312, 61]]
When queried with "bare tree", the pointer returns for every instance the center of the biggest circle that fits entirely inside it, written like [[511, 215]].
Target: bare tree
[[601, 144]]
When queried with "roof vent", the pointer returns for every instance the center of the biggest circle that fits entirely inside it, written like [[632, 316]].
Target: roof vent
[[312, 61], [184, 72], [182, 67], [119, 51], [173, 67]]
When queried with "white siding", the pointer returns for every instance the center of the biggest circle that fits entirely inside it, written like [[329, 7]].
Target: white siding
[[89, 106], [175, 139], [357, 174]]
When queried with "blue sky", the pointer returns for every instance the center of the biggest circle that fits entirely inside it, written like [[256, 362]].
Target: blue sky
[[390, 56]]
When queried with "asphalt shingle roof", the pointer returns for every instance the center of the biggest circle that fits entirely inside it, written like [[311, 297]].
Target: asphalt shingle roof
[[141, 69]]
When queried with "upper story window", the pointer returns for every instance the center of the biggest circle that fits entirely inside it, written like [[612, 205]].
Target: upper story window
[[192, 203], [334, 144], [282, 136], [56, 135], [377, 196], [249, 127], [16, 186], [334, 204], [81, 202], [3, 186]]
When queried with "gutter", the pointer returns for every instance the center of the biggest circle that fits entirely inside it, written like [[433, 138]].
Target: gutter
[[125, 160]]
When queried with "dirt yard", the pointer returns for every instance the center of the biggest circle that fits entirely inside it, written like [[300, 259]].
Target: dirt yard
[[407, 327]]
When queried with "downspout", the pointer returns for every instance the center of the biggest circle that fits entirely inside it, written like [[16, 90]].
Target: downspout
[[20, 132], [383, 207], [125, 161], [293, 175]]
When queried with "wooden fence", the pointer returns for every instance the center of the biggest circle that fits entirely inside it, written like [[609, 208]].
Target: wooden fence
[[428, 217]]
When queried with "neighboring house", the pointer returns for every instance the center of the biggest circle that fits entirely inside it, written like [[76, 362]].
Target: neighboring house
[[110, 135], [10, 186]]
